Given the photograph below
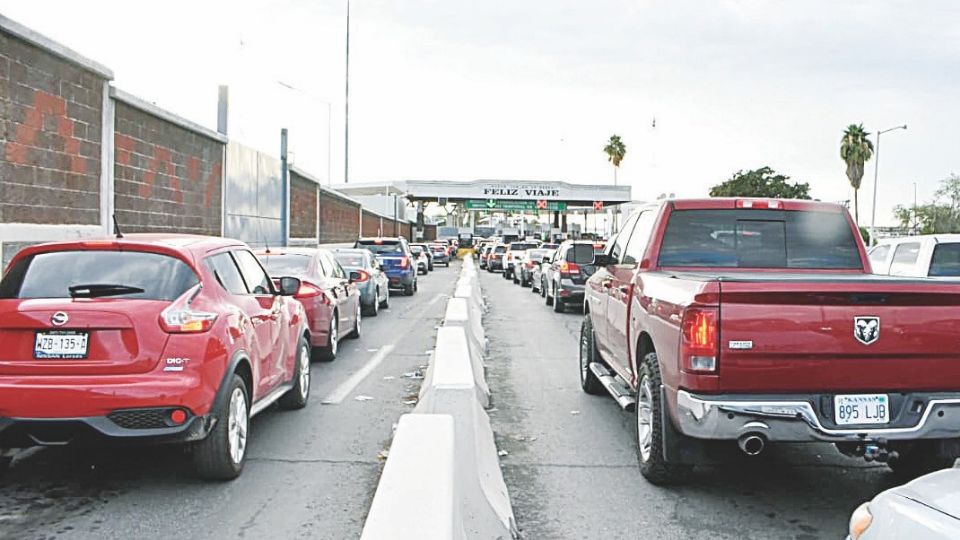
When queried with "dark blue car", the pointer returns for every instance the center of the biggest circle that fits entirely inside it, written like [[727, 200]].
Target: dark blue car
[[396, 260]]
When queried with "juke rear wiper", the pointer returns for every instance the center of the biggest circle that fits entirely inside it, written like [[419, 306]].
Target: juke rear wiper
[[96, 290]]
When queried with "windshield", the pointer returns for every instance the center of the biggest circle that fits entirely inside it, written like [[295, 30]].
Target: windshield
[[416, 250], [117, 274], [759, 239], [521, 246], [285, 265]]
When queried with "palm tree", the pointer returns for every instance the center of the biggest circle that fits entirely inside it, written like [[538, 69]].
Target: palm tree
[[855, 149], [615, 150]]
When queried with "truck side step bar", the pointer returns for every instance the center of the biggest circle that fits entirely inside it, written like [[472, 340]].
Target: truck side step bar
[[617, 388]]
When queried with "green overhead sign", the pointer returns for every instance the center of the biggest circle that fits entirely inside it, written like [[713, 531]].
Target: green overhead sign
[[499, 204]]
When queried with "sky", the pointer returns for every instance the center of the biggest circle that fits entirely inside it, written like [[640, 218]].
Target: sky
[[531, 89]]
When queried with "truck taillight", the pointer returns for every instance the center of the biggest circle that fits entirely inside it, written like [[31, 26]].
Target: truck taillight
[[700, 340], [363, 276], [404, 262]]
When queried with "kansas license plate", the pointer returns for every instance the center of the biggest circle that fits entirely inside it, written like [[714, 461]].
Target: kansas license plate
[[62, 344], [861, 409]]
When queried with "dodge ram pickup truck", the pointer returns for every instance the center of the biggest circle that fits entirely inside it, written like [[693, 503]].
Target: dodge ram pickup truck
[[749, 321]]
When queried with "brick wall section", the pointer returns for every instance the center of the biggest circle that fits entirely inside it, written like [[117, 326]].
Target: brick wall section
[[50, 132], [339, 219], [303, 207], [167, 178], [371, 224], [429, 232]]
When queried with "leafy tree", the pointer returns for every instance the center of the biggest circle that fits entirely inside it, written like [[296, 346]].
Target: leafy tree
[[855, 150], [942, 215], [615, 150], [762, 182]]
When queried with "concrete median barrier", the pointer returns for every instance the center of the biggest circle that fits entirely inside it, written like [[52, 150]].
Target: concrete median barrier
[[458, 313], [485, 504], [417, 494]]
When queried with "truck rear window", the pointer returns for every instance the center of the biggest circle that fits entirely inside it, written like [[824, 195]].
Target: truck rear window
[[51, 274], [945, 261], [759, 239]]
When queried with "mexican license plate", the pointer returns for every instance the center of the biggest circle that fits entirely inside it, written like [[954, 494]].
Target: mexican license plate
[[62, 344], [861, 409]]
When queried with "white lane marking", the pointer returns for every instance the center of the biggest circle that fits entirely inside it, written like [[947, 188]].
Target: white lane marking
[[347, 386], [435, 299]]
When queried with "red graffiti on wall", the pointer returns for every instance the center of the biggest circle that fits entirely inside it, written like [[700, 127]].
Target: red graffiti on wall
[[161, 162], [46, 105]]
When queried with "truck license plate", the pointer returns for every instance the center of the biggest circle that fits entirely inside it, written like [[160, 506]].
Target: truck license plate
[[60, 345], [861, 409]]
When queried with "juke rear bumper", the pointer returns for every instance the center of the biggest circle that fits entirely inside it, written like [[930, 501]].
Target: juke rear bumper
[[27, 432], [808, 418]]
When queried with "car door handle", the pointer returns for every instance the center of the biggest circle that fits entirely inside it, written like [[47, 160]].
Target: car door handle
[[625, 289], [606, 283]]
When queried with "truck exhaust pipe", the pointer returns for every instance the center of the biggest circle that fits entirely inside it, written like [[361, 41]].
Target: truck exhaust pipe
[[752, 444]]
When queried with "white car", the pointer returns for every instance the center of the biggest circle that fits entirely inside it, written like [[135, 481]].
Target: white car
[[931, 255], [423, 260], [927, 508]]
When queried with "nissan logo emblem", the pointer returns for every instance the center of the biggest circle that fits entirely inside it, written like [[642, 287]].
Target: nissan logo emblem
[[59, 318]]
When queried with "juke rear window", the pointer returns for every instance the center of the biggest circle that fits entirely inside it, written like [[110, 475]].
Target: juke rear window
[[51, 274]]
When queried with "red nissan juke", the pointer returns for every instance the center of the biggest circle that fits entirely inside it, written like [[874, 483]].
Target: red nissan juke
[[147, 339]]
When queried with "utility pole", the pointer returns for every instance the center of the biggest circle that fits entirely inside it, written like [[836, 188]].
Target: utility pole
[[876, 174], [346, 109]]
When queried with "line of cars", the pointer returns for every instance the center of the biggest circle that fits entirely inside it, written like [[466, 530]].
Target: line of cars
[[159, 338], [558, 272]]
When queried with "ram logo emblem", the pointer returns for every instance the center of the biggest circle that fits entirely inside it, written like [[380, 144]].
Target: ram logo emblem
[[866, 329]]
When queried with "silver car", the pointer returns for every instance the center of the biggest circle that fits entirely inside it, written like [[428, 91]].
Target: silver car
[[365, 270], [927, 508]]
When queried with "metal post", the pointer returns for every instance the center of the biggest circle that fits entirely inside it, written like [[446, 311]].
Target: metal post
[[223, 99], [346, 109], [876, 175], [285, 186]]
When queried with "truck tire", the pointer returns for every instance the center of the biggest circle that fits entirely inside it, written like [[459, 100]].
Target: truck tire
[[922, 457], [222, 454], [653, 464], [296, 397], [588, 354], [546, 296]]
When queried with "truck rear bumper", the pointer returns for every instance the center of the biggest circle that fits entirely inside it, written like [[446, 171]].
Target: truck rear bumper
[[808, 418]]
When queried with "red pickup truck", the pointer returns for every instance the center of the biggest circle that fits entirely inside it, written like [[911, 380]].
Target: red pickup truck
[[758, 321]]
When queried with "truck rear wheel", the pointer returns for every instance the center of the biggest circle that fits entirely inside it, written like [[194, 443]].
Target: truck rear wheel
[[653, 464], [588, 354]]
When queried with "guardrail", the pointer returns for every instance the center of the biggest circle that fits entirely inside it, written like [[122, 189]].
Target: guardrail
[[454, 388]]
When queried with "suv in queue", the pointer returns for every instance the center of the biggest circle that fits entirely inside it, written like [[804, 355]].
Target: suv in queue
[[147, 338], [396, 259], [567, 273]]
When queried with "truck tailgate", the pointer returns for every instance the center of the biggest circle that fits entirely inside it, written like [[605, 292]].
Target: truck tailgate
[[838, 333]]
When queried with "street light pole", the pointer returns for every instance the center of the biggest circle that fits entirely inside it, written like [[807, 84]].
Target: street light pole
[[876, 174], [346, 109]]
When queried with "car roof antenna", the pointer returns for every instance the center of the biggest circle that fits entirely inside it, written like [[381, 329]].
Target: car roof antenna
[[116, 227]]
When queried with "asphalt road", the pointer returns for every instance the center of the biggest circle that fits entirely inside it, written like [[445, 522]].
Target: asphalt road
[[571, 465], [309, 474]]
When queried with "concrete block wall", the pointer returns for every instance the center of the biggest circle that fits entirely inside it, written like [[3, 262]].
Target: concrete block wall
[[52, 135], [74, 151], [303, 207], [167, 176]]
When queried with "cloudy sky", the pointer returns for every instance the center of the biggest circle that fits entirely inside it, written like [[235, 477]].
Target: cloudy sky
[[458, 89]]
